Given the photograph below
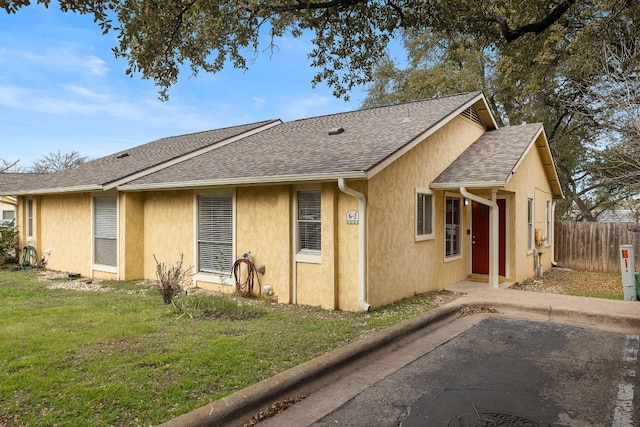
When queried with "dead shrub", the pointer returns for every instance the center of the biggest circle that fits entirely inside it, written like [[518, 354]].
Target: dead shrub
[[172, 278]]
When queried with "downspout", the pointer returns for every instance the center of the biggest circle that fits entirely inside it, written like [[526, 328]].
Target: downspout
[[362, 241], [553, 233], [494, 239]]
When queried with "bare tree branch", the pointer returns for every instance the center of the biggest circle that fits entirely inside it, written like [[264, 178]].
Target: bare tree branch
[[6, 166]]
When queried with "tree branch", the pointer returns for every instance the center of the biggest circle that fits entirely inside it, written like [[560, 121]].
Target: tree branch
[[535, 27], [5, 166]]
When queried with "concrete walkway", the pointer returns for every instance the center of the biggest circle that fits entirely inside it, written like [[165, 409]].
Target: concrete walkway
[[329, 380]]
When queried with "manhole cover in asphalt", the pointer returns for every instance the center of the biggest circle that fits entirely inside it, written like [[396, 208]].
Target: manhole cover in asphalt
[[493, 419]]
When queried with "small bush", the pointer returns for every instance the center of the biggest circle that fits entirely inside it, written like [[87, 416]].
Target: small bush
[[215, 307], [171, 278], [8, 243]]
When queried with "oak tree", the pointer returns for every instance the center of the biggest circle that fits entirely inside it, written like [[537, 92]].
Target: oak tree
[[160, 38], [560, 76]]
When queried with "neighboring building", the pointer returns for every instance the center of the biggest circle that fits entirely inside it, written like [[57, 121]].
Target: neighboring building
[[8, 208], [344, 211], [619, 215]]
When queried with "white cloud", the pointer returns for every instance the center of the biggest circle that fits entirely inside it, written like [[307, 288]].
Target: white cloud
[[308, 106], [258, 102], [59, 57], [93, 65]]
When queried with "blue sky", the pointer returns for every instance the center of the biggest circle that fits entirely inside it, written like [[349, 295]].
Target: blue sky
[[61, 88]]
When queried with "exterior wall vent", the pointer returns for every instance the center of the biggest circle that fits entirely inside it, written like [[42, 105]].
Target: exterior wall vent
[[336, 131], [472, 114]]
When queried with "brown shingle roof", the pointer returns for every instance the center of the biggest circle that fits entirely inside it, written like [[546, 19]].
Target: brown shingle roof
[[493, 158], [100, 172], [19, 180], [295, 151], [303, 148]]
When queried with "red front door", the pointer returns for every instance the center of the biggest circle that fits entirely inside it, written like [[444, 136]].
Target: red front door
[[480, 238]]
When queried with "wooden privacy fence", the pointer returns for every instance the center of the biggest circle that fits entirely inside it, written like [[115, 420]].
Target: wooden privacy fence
[[595, 246]]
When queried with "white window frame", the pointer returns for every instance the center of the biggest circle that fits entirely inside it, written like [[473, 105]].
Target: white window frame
[[29, 220], [425, 216], [458, 255], [310, 256], [94, 224], [530, 224], [214, 275], [549, 219]]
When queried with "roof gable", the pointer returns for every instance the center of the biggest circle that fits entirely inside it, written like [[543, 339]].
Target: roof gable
[[494, 157]]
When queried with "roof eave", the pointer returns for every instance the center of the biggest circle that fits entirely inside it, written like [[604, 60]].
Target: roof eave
[[474, 184], [486, 114], [246, 181], [58, 190]]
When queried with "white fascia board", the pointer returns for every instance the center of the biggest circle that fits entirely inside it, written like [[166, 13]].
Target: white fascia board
[[9, 200], [526, 151], [137, 175], [58, 190], [486, 104], [547, 148], [427, 133], [457, 185], [245, 181]]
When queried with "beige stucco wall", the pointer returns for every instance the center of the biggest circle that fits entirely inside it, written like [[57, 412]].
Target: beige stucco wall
[[529, 181], [316, 283], [168, 221], [162, 223], [263, 227], [347, 250], [63, 225], [131, 230], [400, 266]]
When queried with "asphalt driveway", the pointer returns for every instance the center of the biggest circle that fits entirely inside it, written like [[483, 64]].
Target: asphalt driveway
[[508, 372], [493, 357]]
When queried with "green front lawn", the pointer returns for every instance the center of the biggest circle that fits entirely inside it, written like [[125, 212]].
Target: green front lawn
[[119, 356]]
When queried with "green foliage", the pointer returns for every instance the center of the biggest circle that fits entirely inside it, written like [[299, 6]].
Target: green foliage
[[160, 39], [215, 307], [8, 243], [579, 76], [544, 61]]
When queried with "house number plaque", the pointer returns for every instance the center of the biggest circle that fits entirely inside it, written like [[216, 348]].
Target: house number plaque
[[353, 217]]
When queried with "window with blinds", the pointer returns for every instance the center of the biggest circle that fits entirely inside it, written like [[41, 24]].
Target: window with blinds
[[309, 221], [105, 220], [424, 215], [215, 233]]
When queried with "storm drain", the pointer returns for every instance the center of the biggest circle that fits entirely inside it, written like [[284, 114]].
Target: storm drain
[[493, 419]]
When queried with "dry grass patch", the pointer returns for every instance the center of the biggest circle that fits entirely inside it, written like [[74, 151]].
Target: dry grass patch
[[580, 283]]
